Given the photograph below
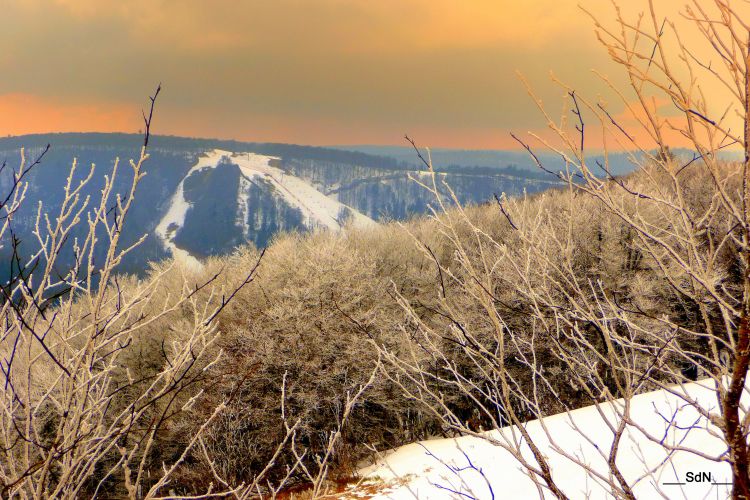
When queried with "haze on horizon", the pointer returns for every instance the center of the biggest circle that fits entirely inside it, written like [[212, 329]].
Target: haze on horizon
[[318, 72]]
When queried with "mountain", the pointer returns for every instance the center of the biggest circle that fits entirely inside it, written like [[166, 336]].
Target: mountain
[[267, 200], [204, 197]]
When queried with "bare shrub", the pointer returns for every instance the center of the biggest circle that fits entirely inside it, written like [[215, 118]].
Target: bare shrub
[[308, 325], [96, 367], [611, 286]]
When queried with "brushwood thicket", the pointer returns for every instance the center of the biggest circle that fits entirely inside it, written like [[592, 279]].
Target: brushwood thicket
[[320, 304]]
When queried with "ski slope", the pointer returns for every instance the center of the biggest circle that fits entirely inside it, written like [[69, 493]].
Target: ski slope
[[318, 210], [450, 468], [174, 219]]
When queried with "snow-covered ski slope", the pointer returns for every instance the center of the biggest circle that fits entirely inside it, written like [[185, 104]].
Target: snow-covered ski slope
[[174, 219], [450, 468], [318, 210]]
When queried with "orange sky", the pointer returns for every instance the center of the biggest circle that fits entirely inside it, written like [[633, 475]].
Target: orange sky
[[301, 71]]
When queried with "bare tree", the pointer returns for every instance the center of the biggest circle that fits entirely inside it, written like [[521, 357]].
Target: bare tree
[[632, 284], [74, 419]]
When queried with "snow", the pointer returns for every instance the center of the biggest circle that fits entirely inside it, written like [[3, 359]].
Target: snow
[[178, 207], [318, 209], [442, 468], [243, 206]]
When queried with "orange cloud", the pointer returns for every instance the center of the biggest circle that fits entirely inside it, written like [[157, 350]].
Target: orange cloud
[[670, 123], [307, 71], [347, 24], [25, 113]]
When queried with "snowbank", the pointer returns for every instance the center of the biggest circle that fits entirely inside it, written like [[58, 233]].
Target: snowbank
[[471, 467]]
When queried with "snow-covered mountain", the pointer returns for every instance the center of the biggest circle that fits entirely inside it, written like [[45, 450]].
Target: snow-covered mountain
[[316, 209], [204, 197]]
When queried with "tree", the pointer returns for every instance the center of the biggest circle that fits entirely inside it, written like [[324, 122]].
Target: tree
[[640, 283], [74, 419]]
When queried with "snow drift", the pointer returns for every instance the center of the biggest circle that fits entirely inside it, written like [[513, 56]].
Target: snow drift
[[472, 467], [178, 208]]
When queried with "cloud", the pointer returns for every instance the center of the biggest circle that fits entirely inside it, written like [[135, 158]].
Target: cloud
[[25, 113], [386, 66], [361, 25]]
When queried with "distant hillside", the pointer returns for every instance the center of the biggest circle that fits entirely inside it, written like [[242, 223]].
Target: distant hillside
[[205, 197], [620, 163]]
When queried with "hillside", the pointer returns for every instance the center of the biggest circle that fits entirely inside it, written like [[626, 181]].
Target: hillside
[[291, 366], [199, 318], [471, 467], [184, 207], [408, 302]]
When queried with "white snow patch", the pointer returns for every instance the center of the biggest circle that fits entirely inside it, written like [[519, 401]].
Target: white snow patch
[[421, 470], [318, 209], [243, 206], [178, 207]]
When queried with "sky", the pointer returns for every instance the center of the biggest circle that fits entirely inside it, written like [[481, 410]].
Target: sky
[[319, 72]]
